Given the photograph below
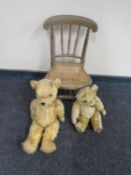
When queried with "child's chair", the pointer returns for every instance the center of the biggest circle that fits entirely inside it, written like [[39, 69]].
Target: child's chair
[[68, 66]]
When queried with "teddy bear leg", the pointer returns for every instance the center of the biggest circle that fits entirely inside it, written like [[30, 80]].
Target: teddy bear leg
[[49, 135], [96, 122], [31, 143], [82, 124]]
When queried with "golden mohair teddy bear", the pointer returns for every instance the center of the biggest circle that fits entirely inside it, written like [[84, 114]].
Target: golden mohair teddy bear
[[88, 107], [46, 109]]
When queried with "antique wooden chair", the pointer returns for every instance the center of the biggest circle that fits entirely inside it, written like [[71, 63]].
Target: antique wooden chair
[[68, 65]]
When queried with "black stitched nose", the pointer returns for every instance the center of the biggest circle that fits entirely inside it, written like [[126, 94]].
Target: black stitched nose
[[85, 101], [42, 103]]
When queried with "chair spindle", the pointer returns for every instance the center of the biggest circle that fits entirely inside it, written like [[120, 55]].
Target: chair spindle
[[69, 38], [62, 47], [52, 44], [76, 41], [85, 45]]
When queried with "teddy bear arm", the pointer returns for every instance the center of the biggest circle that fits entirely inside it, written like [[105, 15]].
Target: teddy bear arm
[[60, 110], [100, 106], [33, 108], [75, 112]]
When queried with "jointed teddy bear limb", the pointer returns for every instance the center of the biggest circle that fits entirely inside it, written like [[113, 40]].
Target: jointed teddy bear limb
[[79, 121], [51, 131]]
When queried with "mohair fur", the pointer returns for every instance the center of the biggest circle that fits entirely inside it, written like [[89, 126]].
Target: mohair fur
[[46, 111], [88, 108]]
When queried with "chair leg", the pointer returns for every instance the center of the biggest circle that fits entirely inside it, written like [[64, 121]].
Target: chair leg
[[67, 94], [67, 97]]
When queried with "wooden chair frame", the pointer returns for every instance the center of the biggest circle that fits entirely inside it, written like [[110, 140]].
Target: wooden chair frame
[[70, 20]]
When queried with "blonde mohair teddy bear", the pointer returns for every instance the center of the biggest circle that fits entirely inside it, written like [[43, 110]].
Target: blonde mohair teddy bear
[[46, 111], [88, 108]]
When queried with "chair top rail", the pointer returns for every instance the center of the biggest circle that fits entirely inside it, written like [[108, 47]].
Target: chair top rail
[[70, 19]]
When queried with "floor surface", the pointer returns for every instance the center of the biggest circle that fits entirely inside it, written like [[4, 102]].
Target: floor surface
[[108, 153]]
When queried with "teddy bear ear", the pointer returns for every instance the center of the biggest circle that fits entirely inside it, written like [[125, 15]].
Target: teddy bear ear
[[57, 83], [94, 87], [81, 93], [33, 84]]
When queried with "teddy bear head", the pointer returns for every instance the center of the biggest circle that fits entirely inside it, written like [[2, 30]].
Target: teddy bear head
[[87, 95], [46, 90]]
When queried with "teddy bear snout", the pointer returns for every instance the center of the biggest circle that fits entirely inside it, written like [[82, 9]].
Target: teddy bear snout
[[89, 102], [42, 103]]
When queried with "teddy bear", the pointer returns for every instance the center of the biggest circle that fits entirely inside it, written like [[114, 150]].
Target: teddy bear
[[46, 111], [88, 108]]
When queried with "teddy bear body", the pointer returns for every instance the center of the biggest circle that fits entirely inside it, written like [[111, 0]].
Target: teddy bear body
[[88, 108], [46, 111], [44, 115]]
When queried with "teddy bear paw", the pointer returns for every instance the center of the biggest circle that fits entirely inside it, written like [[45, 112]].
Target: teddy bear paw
[[98, 130], [79, 127], [28, 148], [48, 147], [62, 119], [104, 112]]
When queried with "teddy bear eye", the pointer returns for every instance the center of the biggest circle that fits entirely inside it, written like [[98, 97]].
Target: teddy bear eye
[[50, 95]]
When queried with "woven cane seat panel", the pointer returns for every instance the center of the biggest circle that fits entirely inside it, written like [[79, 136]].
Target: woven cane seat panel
[[72, 75]]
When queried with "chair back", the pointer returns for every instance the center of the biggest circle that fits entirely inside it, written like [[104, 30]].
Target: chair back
[[70, 29]]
